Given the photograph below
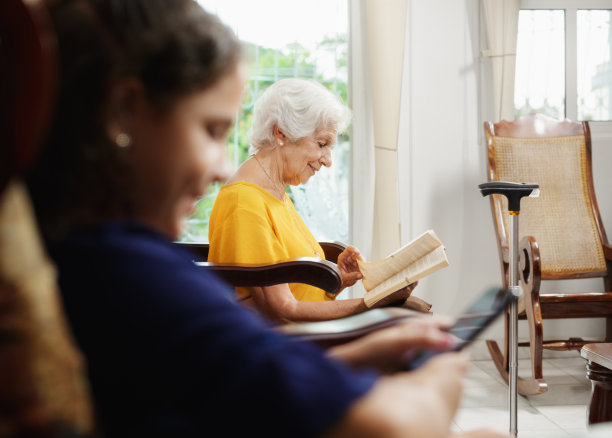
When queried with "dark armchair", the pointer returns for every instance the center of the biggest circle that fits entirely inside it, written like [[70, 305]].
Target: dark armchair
[[323, 274]]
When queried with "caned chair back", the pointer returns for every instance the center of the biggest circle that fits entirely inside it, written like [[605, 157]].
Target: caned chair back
[[564, 219]]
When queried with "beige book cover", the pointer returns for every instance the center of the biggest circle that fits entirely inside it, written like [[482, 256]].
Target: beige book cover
[[422, 256]]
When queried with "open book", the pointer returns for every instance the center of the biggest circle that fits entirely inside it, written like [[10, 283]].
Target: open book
[[413, 261]]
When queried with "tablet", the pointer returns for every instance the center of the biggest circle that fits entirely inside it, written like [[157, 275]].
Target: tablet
[[482, 313]]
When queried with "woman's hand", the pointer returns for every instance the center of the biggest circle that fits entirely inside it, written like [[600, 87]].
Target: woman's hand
[[389, 349], [349, 269]]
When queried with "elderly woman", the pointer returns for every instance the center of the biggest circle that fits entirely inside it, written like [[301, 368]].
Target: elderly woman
[[295, 125]]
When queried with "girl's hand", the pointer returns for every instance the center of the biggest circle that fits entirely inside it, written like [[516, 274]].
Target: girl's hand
[[389, 349]]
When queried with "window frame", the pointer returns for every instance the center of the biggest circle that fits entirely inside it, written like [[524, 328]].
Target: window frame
[[571, 7]]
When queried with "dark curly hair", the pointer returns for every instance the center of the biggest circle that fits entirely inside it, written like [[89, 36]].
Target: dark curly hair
[[173, 47]]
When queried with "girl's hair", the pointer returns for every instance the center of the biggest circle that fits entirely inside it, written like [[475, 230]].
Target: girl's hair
[[299, 107], [173, 47]]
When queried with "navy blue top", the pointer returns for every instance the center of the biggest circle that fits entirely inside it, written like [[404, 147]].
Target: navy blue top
[[171, 354]]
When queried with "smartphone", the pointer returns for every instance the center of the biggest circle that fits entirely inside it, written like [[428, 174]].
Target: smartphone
[[482, 313]]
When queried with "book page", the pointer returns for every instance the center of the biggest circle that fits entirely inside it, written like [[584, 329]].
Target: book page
[[375, 273], [422, 267]]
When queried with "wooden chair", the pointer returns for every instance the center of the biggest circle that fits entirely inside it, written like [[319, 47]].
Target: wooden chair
[[43, 389], [323, 274], [562, 235]]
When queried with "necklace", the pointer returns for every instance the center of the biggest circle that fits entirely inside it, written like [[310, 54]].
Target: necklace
[[291, 213], [281, 188]]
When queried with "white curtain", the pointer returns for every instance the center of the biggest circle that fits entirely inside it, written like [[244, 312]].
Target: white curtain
[[362, 138], [404, 141], [502, 27]]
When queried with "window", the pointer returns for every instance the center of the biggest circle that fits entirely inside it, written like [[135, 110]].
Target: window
[[540, 63], [594, 75], [289, 38], [563, 59]]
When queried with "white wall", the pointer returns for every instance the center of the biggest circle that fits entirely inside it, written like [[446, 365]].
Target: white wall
[[441, 160], [441, 157]]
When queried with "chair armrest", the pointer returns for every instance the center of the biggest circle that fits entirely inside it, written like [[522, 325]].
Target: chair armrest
[[607, 249], [200, 250], [332, 250], [308, 270], [341, 330]]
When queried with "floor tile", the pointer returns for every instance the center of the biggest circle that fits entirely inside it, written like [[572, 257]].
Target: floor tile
[[560, 412], [555, 433], [562, 395], [575, 367], [489, 367], [455, 428], [528, 419], [567, 417], [488, 396], [476, 376], [559, 375], [603, 430]]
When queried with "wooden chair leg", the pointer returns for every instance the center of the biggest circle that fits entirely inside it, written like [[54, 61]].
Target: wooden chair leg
[[500, 360], [532, 386], [525, 386], [536, 337]]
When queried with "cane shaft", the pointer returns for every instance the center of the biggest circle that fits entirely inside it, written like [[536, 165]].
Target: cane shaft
[[514, 287]]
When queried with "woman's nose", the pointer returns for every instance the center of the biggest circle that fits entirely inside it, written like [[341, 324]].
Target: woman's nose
[[326, 158]]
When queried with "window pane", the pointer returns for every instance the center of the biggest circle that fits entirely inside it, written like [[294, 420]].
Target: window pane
[[594, 68], [540, 63], [290, 38]]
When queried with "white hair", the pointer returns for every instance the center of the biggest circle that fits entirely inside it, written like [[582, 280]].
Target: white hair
[[299, 107]]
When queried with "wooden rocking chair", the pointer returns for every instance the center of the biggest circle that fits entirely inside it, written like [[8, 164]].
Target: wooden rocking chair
[[561, 232]]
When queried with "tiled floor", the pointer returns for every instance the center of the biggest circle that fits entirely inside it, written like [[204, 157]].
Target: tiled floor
[[560, 412]]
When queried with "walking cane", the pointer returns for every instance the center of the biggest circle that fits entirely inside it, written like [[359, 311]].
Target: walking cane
[[514, 192]]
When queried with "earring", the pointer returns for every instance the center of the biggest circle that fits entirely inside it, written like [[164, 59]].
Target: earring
[[280, 143], [123, 140]]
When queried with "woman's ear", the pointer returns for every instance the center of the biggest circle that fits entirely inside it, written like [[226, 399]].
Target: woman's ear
[[279, 137], [126, 99]]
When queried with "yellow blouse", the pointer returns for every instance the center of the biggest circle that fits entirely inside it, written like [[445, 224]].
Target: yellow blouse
[[249, 225]]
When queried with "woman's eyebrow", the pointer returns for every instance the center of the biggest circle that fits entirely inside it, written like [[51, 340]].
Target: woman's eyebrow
[[327, 136]]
